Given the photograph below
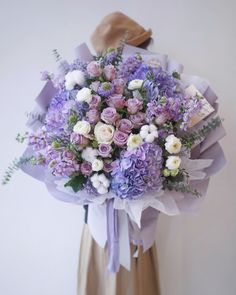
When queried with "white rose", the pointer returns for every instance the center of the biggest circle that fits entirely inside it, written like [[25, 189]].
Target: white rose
[[101, 183], [173, 144], [173, 162], [104, 132], [135, 84], [74, 78], [84, 94], [134, 141], [97, 165], [82, 127], [89, 154]]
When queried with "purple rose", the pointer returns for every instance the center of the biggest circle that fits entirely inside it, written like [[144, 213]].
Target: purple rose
[[95, 85], [86, 168], [93, 116], [109, 72], [68, 156], [134, 105], [94, 103], [109, 115], [104, 150], [125, 125], [120, 138], [116, 101], [79, 139], [108, 166], [137, 119], [94, 69], [119, 85]]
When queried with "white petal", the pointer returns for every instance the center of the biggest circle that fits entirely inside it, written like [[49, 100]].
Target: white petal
[[152, 127], [150, 138]]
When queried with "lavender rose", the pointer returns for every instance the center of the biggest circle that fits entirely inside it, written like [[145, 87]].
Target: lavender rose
[[93, 116], [116, 101], [125, 125], [109, 72], [134, 105], [137, 119], [108, 166], [120, 138], [79, 139], [109, 115], [94, 69], [119, 85], [104, 150], [94, 103], [86, 168]]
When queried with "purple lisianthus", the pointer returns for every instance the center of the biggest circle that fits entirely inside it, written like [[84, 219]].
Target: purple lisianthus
[[68, 156], [120, 138], [86, 168], [109, 115], [109, 72], [93, 116], [119, 85], [95, 85], [125, 125], [116, 101], [94, 69], [134, 105], [104, 150], [139, 171], [137, 119]]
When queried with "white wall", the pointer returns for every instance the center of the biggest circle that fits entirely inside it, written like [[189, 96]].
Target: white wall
[[40, 235]]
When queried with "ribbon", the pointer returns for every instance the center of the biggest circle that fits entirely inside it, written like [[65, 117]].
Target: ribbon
[[112, 237]]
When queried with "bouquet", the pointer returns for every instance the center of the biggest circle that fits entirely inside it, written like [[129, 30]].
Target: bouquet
[[127, 133]]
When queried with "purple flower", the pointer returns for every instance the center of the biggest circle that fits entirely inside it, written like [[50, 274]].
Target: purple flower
[[95, 102], [37, 140], [93, 116], [104, 150], [106, 89], [79, 139], [139, 171], [109, 115], [95, 85], [94, 69], [125, 125], [137, 119], [86, 168], [134, 105], [116, 101], [119, 85], [108, 166], [120, 138], [109, 72]]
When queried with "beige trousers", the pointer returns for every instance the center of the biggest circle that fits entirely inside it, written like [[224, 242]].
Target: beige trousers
[[93, 278]]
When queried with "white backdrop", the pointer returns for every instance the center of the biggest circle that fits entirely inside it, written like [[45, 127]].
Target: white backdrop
[[39, 235]]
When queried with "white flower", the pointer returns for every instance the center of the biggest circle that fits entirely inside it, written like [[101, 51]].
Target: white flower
[[134, 141], [135, 84], [97, 165], [149, 133], [84, 94], [82, 127], [173, 144], [101, 183], [74, 78], [173, 162], [89, 154], [104, 133]]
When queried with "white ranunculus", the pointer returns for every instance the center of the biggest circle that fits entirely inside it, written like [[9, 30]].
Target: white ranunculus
[[74, 78], [97, 165], [135, 84], [173, 144], [101, 183], [134, 141], [104, 133], [173, 162], [82, 128], [89, 154], [84, 94]]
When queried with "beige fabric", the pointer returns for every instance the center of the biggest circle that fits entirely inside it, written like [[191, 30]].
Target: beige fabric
[[113, 28], [93, 278]]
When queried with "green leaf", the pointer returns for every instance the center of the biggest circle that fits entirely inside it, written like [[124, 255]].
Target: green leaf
[[176, 75], [76, 183]]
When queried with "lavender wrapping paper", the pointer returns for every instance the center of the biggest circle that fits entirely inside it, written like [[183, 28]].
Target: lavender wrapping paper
[[138, 226]]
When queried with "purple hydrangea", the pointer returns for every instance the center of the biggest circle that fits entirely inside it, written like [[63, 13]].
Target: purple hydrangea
[[138, 171]]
